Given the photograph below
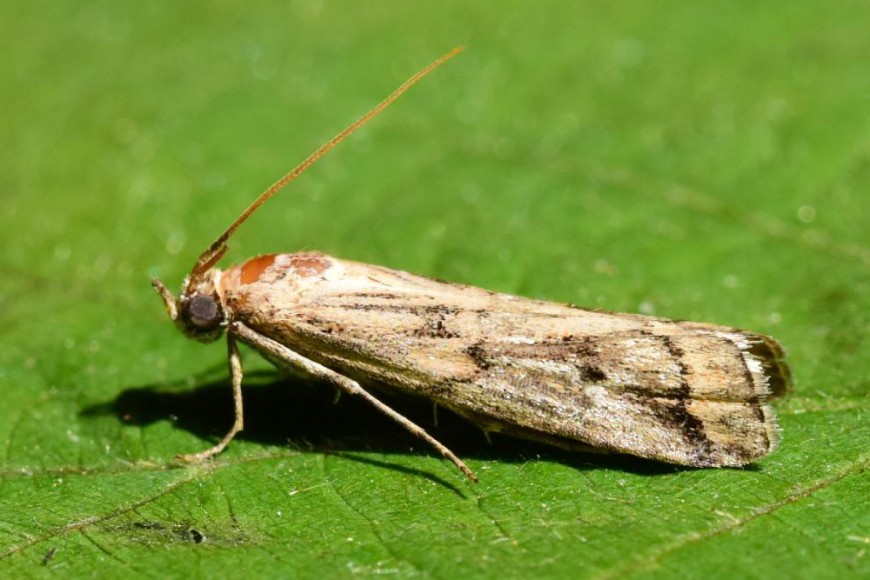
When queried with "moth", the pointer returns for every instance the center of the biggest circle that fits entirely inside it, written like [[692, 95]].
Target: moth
[[686, 393]]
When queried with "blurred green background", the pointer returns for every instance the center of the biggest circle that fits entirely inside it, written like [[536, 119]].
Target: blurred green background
[[695, 160]]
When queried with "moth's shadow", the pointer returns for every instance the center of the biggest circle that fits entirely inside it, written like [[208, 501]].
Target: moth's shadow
[[302, 413]]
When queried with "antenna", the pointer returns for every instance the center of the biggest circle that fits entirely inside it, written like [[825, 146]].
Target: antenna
[[219, 247]]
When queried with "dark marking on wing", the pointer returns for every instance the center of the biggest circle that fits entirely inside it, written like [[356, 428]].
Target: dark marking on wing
[[478, 354], [434, 327], [677, 354], [592, 373], [691, 427], [772, 358], [379, 295], [416, 309], [673, 411]]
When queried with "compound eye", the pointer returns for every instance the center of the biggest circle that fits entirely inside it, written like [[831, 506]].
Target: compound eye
[[203, 312]]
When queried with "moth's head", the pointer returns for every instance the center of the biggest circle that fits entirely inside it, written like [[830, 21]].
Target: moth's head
[[198, 312]]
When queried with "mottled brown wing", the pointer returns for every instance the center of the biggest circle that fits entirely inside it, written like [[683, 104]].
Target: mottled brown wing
[[671, 393], [687, 393]]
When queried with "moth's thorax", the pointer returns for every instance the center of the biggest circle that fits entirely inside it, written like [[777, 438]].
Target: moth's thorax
[[277, 269], [273, 268], [276, 277]]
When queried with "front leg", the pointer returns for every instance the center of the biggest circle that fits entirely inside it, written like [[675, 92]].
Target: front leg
[[277, 352], [235, 362]]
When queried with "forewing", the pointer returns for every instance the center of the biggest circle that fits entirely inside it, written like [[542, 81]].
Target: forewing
[[687, 393]]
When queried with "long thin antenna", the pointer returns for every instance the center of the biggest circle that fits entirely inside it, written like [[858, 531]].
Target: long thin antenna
[[216, 251]]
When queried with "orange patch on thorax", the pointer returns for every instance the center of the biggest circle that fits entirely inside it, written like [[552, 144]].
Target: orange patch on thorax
[[251, 270]]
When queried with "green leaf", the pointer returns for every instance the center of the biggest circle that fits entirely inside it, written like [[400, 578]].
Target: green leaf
[[706, 162]]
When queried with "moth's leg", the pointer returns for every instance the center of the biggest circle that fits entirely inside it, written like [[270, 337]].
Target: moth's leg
[[235, 362], [280, 353]]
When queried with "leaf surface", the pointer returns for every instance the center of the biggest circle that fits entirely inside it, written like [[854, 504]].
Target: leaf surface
[[705, 162]]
